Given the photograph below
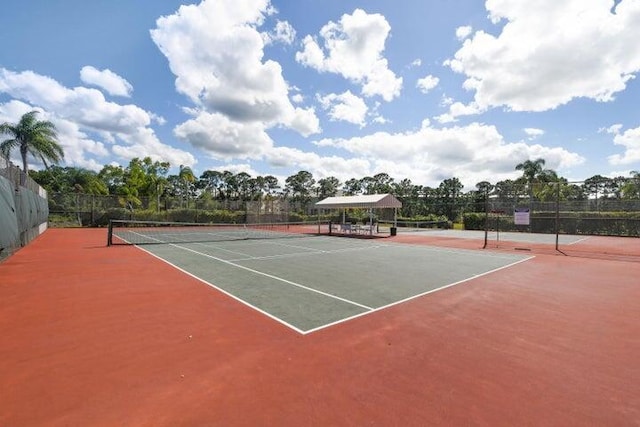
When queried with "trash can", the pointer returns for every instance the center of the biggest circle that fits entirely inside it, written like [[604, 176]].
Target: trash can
[[394, 231]]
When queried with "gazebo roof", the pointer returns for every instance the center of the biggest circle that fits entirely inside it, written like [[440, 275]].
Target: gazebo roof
[[364, 201]]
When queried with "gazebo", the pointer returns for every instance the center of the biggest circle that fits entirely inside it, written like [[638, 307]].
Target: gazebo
[[367, 201]]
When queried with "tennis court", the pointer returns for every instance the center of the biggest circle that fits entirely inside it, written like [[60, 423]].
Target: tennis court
[[587, 246], [376, 333], [436, 229], [311, 282]]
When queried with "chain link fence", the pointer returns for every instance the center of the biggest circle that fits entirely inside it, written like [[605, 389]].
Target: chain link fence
[[86, 210], [577, 208], [583, 208], [16, 177]]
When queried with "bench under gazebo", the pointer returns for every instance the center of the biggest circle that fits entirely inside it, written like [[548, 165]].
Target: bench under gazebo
[[367, 201]]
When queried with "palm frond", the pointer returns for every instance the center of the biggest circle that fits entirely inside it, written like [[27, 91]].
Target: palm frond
[[34, 137]]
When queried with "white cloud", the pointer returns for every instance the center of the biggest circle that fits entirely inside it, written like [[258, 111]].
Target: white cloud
[[305, 121], [463, 32], [283, 33], [75, 143], [81, 112], [236, 168], [78, 145], [107, 80], [416, 62], [446, 101], [354, 49], [34, 88], [11, 111], [224, 139], [322, 167], [145, 143], [630, 140], [375, 115], [427, 83], [346, 107], [472, 153], [550, 52], [457, 109], [86, 106], [216, 53], [614, 129], [380, 120], [533, 133]]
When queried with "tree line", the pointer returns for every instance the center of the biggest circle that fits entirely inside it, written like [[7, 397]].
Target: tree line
[[149, 179], [145, 178]]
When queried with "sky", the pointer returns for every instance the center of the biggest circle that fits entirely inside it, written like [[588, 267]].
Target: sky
[[417, 89]]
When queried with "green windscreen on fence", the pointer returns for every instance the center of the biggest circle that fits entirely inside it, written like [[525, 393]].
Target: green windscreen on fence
[[9, 233], [24, 208]]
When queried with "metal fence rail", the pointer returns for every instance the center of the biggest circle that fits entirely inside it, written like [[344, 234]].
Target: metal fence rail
[[15, 175]]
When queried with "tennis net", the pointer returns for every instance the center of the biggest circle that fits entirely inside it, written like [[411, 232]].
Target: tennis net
[[410, 226], [131, 232]]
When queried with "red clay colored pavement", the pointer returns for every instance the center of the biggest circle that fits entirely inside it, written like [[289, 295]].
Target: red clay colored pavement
[[102, 336]]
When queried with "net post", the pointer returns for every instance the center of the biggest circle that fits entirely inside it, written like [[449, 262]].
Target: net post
[[110, 233]]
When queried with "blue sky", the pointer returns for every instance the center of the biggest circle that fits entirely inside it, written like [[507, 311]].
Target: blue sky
[[426, 91]]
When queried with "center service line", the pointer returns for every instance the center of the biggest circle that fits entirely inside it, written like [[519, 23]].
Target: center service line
[[275, 278]]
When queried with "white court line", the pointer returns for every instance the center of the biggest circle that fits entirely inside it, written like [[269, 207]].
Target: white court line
[[577, 241], [317, 252], [258, 258], [289, 282], [276, 241], [209, 245], [468, 252], [475, 276], [295, 246], [369, 309], [249, 256], [241, 301]]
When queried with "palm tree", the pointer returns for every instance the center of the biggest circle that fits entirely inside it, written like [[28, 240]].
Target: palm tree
[[31, 136], [531, 169], [533, 172], [187, 177]]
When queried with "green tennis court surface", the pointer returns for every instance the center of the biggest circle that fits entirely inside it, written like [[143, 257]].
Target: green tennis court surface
[[309, 283]]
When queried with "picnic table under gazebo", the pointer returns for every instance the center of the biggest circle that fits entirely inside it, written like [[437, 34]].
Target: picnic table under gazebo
[[366, 201]]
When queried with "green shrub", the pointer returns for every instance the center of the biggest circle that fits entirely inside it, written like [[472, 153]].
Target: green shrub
[[474, 221]]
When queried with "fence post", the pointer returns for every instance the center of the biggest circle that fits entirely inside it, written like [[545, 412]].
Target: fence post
[[486, 218], [557, 215]]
